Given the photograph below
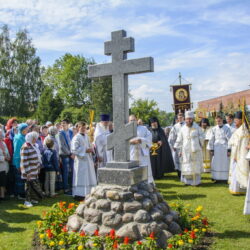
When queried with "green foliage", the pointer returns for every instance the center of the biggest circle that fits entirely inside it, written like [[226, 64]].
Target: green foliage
[[69, 78], [74, 115], [166, 119], [145, 109], [4, 119], [49, 107], [20, 74], [101, 96]]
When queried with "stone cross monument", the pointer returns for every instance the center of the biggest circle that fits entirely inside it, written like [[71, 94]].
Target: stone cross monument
[[121, 171], [119, 69], [123, 199]]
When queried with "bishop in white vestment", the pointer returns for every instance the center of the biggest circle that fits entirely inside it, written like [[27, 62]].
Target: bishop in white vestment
[[140, 148], [175, 130], [190, 141], [84, 177], [220, 150]]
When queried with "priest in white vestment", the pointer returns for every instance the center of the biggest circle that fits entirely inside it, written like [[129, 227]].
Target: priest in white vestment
[[239, 166], [140, 147], [100, 140], [84, 177], [190, 141], [172, 139], [220, 150]]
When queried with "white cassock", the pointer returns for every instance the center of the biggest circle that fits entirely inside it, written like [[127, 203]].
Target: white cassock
[[239, 166], [84, 177], [206, 152], [100, 141], [141, 152], [219, 144], [171, 140], [190, 141]]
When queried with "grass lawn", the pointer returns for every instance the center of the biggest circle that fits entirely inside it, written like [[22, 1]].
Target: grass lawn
[[224, 210]]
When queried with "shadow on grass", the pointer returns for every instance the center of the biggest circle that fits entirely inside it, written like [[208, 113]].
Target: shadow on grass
[[5, 228], [17, 217], [183, 196], [166, 183], [233, 234]]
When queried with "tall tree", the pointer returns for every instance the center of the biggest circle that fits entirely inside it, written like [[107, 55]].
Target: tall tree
[[20, 74], [101, 96], [69, 77], [5, 72], [49, 107]]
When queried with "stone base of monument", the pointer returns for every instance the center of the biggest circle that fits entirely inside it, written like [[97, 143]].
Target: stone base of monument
[[133, 211]]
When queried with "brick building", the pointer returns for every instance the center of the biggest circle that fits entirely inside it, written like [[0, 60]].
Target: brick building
[[214, 103]]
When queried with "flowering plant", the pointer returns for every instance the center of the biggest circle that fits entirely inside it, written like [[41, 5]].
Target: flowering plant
[[53, 233], [194, 226]]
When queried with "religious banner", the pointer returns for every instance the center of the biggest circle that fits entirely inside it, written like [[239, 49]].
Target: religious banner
[[181, 96]]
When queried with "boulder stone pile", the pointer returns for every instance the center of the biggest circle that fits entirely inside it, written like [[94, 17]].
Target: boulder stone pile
[[134, 211]]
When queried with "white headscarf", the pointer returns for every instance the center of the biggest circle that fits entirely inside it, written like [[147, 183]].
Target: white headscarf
[[31, 136], [53, 131], [29, 139]]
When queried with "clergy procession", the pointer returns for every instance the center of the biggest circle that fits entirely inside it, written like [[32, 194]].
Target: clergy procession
[[66, 156]]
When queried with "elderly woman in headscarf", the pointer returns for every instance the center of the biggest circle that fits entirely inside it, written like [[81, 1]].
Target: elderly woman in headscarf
[[52, 132], [30, 167], [19, 140], [161, 156]]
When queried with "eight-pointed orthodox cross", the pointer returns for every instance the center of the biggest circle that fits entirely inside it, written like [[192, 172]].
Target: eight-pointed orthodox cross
[[119, 69]]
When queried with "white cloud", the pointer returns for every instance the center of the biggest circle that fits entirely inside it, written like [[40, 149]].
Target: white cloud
[[214, 65], [185, 58], [230, 15]]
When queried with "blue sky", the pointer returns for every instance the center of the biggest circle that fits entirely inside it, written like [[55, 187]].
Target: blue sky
[[208, 41]]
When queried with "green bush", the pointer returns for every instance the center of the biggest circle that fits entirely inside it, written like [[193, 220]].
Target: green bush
[[74, 115], [4, 119]]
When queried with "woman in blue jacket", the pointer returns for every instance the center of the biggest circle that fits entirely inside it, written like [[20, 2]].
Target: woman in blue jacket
[[19, 140]]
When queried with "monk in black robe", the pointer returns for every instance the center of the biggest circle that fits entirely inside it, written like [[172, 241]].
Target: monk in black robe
[[161, 160]]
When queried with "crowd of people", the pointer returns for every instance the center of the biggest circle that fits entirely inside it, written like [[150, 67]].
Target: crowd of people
[[221, 149], [37, 161]]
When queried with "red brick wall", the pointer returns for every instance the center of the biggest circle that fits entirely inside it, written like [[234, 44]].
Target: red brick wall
[[214, 103]]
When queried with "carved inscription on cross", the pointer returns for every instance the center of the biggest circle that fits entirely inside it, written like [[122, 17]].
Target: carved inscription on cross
[[119, 69]]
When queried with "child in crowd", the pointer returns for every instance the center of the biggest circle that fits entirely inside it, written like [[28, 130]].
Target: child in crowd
[[51, 166], [4, 165]]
